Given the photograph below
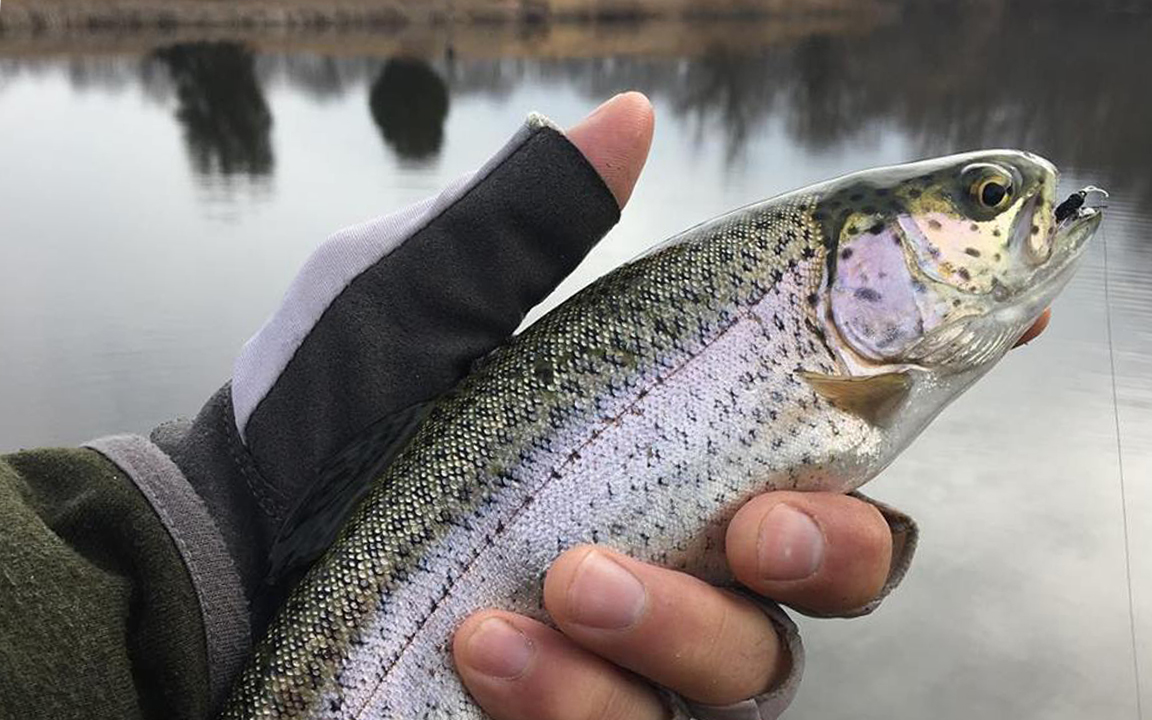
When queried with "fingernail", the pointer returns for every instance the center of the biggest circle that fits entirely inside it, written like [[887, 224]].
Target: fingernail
[[604, 595], [498, 649], [790, 544]]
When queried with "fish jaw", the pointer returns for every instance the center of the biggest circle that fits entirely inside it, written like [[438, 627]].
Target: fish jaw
[[1071, 239]]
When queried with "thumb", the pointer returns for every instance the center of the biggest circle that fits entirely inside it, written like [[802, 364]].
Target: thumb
[[615, 140]]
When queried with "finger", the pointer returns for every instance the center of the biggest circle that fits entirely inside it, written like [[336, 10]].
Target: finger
[[706, 644], [520, 669], [615, 140], [823, 552], [1037, 327]]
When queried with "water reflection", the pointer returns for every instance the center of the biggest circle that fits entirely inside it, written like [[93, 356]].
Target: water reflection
[[227, 123], [1012, 86], [409, 102]]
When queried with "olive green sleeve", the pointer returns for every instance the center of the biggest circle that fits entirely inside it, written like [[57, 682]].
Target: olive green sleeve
[[98, 614]]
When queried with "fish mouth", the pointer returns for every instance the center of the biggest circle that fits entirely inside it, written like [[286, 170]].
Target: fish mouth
[[1028, 311], [1074, 228], [1071, 238], [1074, 232]]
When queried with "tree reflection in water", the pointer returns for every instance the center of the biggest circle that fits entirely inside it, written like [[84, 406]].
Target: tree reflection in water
[[409, 103], [226, 120], [946, 78]]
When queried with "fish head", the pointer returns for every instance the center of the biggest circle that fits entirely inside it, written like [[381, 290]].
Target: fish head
[[933, 271], [943, 264]]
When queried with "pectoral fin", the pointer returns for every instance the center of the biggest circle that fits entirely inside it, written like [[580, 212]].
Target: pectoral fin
[[875, 398]]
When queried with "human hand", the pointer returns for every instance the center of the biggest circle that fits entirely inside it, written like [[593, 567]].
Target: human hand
[[622, 622]]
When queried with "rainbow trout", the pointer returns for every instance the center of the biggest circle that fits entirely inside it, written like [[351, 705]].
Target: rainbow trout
[[801, 342]]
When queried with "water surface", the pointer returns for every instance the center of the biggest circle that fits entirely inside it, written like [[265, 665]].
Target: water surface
[[157, 195]]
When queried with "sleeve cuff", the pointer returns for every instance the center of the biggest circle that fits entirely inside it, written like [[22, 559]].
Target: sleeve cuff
[[223, 608]]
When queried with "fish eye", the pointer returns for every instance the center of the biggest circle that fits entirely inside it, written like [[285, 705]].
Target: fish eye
[[993, 192], [990, 187]]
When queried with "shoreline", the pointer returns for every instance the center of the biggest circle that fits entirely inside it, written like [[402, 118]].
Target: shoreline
[[24, 18], [556, 39]]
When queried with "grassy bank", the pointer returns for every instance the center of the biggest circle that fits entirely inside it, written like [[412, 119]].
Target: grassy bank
[[37, 17]]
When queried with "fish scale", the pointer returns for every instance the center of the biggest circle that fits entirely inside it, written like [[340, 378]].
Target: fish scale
[[645, 410]]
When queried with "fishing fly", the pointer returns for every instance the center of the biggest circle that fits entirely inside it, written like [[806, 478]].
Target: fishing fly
[[1076, 200]]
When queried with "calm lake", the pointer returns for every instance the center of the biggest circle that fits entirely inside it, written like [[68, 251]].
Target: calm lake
[[157, 194]]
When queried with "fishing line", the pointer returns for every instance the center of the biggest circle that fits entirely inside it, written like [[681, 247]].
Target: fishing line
[[1120, 464]]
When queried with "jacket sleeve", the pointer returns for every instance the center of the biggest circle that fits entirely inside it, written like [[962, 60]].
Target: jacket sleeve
[[98, 616]]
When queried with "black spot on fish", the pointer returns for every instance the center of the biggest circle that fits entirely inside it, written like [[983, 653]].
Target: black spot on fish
[[996, 257], [812, 298], [996, 232], [972, 251], [845, 253], [866, 294], [896, 239], [876, 229], [964, 274], [543, 371], [852, 229], [974, 227], [934, 224], [918, 286], [1035, 230], [956, 302]]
